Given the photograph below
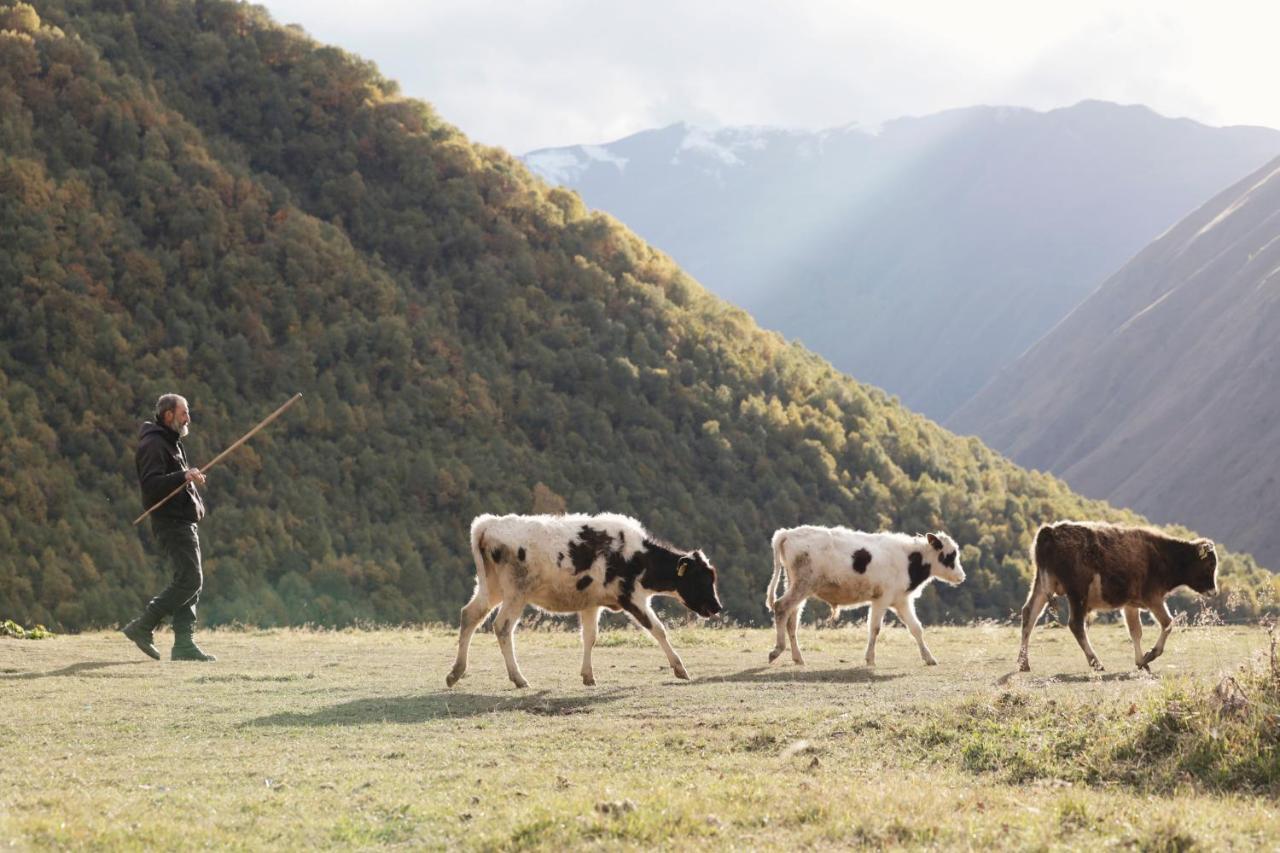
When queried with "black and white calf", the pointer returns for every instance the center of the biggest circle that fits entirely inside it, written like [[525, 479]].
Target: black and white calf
[[848, 567], [577, 564]]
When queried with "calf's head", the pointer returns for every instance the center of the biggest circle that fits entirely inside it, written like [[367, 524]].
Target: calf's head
[[1203, 574], [696, 584], [946, 561]]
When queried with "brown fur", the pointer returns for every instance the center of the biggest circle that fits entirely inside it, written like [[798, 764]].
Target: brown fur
[[1100, 566]]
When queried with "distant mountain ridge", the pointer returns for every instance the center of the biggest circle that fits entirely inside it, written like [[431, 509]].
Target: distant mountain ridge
[[924, 256], [1159, 391]]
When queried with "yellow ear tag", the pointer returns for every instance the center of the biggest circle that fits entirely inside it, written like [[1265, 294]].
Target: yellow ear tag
[[680, 567]]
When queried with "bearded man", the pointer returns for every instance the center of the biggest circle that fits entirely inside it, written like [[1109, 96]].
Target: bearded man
[[162, 467]]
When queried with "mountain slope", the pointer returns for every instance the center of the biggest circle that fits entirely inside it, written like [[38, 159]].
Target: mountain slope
[[202, 200], [1157, 392], [924, 257]]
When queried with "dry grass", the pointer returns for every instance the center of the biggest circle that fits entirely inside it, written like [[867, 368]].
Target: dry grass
[[300, 739]]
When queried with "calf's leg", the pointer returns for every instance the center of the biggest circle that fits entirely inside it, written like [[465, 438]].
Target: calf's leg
[[590, 619], [793, 626], [1133, 618], [1160, 610], [875, 618], [1031, 613], [908, 614], [1076, 622], [786, 619], [651, 623], [473, 614], [504, 625]]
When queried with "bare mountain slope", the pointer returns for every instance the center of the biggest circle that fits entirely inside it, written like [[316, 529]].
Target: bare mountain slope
[[1159, 391], [924, 257]]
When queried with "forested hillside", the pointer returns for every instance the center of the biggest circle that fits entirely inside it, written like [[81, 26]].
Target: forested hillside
[[193, 198]]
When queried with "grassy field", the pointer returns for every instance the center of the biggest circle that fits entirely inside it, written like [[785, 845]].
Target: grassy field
[[301, 739]]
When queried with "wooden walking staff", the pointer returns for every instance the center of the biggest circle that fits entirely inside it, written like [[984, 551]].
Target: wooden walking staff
[[248, 435]]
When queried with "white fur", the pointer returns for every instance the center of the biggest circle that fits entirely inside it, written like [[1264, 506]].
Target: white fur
[[551, 583], [546, 579], [818, 561]]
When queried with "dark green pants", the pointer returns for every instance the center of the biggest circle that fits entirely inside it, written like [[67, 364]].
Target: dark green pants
[[180, 549]]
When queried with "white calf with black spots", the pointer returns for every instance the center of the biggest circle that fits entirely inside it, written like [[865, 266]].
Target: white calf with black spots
[[849, 568], [577, 564]]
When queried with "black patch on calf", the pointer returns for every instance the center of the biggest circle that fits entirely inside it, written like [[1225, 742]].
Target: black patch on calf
[[590, 545], [617, 566], [625, 572], [948, 560], [626, 583], [861, 559], [917, 569], [584, 582], [499, 554], [520, 555]]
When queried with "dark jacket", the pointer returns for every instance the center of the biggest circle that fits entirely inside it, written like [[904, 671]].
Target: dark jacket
[[162, 467]]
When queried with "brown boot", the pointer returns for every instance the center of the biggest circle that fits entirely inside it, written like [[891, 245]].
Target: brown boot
[[140, 631], [185, 648]]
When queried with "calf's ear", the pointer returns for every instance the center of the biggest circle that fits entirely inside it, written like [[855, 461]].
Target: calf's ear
[[934, 541], [1206, 547]]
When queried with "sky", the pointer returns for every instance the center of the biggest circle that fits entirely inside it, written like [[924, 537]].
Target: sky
[[529, 74]]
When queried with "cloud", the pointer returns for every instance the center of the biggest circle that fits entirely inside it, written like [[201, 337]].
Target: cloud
[[555, 72]]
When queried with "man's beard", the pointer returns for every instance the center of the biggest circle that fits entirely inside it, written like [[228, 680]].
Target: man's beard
[[182, 433]]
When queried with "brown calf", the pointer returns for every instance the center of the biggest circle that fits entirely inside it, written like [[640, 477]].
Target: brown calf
[[1100, 566]]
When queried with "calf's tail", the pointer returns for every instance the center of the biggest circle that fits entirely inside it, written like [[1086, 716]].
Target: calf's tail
[[1042, 550], [477, 552], [771, 595]]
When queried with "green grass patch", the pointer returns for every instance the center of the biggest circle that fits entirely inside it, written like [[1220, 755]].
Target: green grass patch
[[299, 739], [1220, 735]]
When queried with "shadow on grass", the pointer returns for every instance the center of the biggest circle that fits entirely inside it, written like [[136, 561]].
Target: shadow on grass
[[1074, 677], [440, 706], [74, 669], [1079, 677], [774, 674]]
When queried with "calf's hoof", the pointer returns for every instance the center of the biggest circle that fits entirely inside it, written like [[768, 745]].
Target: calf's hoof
[[520, 683], [1143, 666], [930, 662], [452, 678], [589, 680], [1024, 666], [1097, 665], [682, 674], [775, 654]]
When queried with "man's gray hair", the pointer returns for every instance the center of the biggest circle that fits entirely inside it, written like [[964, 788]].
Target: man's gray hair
[[167, 403]]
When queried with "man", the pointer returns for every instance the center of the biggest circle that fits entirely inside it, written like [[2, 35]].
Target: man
[[162, 467]]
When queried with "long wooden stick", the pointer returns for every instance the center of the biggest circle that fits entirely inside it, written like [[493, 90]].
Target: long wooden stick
[[248, 435]]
